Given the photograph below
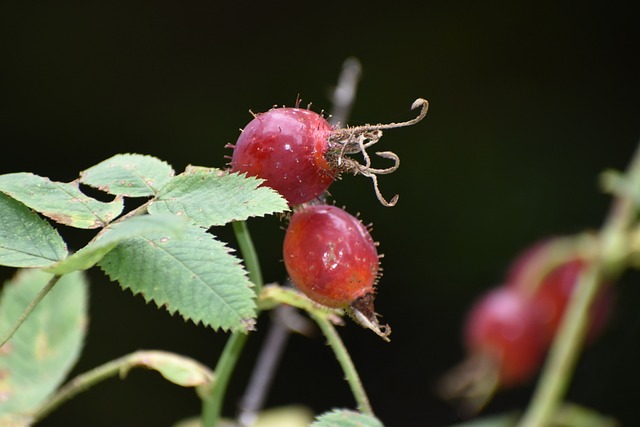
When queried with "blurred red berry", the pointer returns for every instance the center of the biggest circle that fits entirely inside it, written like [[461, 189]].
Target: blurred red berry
[[551, 283], [502, 326]]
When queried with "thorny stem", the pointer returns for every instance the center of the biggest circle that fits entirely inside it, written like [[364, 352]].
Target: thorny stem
[[341, 353], [325, 317], [566, 346], [32, 305], [212, 403]]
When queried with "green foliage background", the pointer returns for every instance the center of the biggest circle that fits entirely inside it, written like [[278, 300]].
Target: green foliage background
[[529, 103]]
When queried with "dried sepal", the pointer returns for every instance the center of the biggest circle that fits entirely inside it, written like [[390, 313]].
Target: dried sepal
[[357, 139]]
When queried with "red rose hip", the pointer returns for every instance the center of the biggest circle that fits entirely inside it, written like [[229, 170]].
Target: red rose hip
[[287, 148], [330, 256], [548, 272], [503, 327]]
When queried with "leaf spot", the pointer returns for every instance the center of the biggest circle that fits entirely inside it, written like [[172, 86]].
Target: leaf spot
[[42, 346], [5, 350]]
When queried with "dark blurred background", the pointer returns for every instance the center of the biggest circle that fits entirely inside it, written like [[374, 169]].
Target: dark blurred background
[[530, 101]]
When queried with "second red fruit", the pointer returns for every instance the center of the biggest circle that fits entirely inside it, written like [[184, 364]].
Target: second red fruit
[[330, 255], [503, 327]]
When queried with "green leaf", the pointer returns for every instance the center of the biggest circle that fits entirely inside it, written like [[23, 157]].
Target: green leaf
[[89, 256], [62, 202], [15, 420], [178, 369], [132, 175], [214, 197], [571, 415], [40, 354], [346, 418], [27, 240], [195, 276], [280, 416]]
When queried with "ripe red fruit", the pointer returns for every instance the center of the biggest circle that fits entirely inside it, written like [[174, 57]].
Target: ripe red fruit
[[287, 148], [553, 295], [503, 328], [548, 272], [330, 256], [299, 155]]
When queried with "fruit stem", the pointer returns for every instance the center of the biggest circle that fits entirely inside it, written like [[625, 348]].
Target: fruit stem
[[32, 305], [349, 369], [212, 402], [568, 341]]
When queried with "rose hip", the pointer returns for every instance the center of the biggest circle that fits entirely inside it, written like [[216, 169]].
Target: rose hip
[[330, 256], [503, 327], [287, 148]]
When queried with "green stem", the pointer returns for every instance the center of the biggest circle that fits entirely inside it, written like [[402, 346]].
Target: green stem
[[212, 402], [349, 369], [80, 384], [27, 311], [162, 361], [565, 350], [249, 254], [564, 353]]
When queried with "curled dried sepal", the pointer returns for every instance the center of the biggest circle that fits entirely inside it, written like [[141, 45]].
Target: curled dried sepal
[[353, 140], [357, 168], [362, 312]]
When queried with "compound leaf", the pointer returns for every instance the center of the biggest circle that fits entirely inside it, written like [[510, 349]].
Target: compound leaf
[[113, 234], [62, 202], [346, 418], [195, 276], [27, 240], [214, 197], [45, 347], [132, 175]]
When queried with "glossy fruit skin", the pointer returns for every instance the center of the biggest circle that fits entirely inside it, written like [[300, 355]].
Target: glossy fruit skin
[[502, 326], [330, 256], [287, 148]]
